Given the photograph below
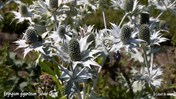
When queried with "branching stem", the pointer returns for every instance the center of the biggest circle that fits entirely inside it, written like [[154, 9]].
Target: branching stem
[[98, 74], [126, 14]]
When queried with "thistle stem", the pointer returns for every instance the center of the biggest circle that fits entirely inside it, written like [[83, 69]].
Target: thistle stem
[[84, 90], [160, 15], [151, 64], [104, 18], [133, 23], [55, 21], [149, 5], [175, 56], [98, 74], [128, 82], [79, 95], [126, 14], [151, 57], [62, 68], [145, 59], [78, 91], [95, 81]]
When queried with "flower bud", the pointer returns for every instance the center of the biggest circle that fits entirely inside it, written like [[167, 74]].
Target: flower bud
[[23, 10], [53, 4], [91, 39], [61, 31], [144, 18], [30, 36], [144, 33], [125, 34], [74, 50]]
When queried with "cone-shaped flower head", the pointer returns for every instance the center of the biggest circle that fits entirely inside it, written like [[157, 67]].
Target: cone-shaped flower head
[[61, 31], [91, 39], [74, 50], [31, 36], [23, 10], [144, 18], [53, 4], [125, 34], [144, 33], [128, 5]]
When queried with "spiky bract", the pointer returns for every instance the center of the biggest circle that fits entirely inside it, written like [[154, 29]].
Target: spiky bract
[[91, 40]]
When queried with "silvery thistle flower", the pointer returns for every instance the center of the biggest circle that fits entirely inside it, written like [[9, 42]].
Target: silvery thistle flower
[[155, 39], [152, 35], [31, 41], [81, 59], [113, 39], [60, 35], [24, 13], [87, 55]]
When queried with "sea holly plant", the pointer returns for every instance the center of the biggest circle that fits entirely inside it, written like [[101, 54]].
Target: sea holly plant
[[78, 53]]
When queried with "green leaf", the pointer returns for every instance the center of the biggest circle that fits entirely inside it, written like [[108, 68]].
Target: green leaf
[[46, 67], [63, 97]]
